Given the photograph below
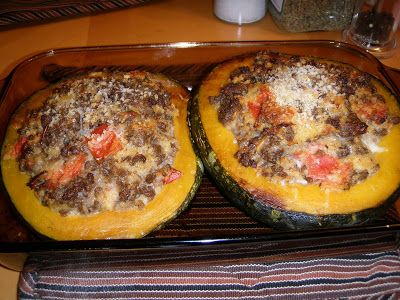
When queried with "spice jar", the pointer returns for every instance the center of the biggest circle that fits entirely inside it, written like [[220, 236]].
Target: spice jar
[[374, 26], [240, 11], [311, 15]]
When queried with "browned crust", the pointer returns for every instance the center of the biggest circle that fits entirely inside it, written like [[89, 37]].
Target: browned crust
[[309, 199], [267, 197]]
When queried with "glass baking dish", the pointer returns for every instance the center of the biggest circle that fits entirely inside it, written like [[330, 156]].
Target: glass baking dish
[[211, 229]]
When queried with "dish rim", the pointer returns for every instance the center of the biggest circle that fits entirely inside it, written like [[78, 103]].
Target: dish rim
[[151, 242]]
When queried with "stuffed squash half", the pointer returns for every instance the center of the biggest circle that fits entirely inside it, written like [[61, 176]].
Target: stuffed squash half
[[101, 155], [299, 142]]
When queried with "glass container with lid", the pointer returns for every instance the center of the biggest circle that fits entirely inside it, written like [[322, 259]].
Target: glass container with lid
[[240, 11], [374, 26], [311, 15]]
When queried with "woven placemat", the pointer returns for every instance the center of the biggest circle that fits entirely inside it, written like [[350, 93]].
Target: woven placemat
[[374, 275], [25, 12]]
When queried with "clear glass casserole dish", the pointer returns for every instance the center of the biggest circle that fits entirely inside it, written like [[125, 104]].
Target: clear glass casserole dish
[[211, 229]]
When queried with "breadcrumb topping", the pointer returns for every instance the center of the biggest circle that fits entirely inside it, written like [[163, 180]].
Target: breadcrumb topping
[[104, 141], [305, 120]]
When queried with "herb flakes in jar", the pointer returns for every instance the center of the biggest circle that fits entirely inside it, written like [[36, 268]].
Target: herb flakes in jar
[[311, 15]]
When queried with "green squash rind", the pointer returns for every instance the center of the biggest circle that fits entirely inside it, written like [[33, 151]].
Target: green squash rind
[[196, 174], [272, 216]]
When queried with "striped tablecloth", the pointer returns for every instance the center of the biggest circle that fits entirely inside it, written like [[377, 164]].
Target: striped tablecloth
[[25, 12], [374, 275]]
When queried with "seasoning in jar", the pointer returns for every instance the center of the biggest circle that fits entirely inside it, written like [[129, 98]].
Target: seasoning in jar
[[374, 26], [311, 15]]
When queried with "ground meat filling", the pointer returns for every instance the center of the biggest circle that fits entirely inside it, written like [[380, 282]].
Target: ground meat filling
[[302, 120], [100, 142]]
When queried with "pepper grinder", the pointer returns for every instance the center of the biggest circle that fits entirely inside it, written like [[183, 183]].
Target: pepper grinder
[[240, 11], [373, 26]]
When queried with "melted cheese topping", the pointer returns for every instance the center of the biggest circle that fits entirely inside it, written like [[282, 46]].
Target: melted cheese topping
[[301, 87], [298, 120], [100, 142]]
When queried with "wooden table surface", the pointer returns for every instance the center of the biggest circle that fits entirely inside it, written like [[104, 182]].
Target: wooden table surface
[[154, 22]]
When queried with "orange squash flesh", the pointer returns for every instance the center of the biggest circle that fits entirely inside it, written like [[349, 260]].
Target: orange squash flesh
[[305, 200], [172, 199]]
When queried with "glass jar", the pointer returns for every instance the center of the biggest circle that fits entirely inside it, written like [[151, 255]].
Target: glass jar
[[374, 26], [240, 11], [311, 15]]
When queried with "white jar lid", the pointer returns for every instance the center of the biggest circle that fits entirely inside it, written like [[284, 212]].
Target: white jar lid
[[240, 11]]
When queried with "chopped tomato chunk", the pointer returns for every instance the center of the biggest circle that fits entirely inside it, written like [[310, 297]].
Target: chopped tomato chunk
[[266, 106], [255, 109], [99, 129], [69, 171], [256, 106], [264, 93], [375, 111], [319, 166], [327, 169], [172, 176], [19, 145], [103, 142]]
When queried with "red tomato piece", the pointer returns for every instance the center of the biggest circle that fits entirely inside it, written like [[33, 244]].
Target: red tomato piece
[[69, 171], [263, 94], [19, 145], [103, 142], [319, 166], [255, 107], [172, 176], [376, 111], [99, 129], [52, 180], [72, 168]]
